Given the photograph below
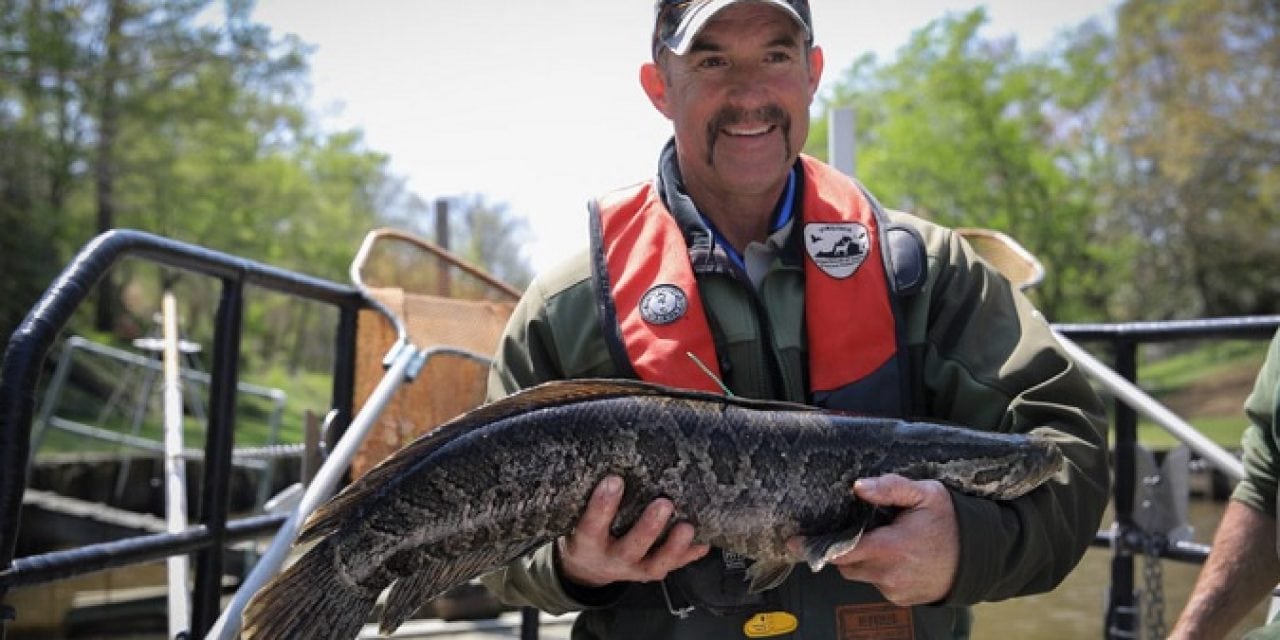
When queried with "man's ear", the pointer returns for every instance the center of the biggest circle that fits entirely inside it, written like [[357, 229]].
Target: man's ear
[[655, 86], [815, 69]]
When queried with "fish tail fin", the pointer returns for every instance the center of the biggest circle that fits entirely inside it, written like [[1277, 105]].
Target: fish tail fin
[[309, 600]]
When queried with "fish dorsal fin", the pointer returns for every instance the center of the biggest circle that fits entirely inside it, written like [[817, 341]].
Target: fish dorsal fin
[[550, 394]]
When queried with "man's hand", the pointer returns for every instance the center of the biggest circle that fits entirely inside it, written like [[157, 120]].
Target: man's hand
[[592, 557], [913, 560]]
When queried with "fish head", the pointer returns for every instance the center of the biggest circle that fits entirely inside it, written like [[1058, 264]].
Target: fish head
[[989, 465], [1006, 475]]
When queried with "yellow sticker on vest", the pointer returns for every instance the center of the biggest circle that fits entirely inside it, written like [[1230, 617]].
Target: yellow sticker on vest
[[769, 624], [880, 621]]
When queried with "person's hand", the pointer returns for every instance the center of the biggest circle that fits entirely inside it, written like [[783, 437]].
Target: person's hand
[[590, 556], [912, 560]]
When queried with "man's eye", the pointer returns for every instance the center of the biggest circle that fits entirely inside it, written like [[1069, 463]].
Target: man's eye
[[711, 62], [777, 56]]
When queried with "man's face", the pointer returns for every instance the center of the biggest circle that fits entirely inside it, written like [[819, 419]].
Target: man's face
[[738, 100]]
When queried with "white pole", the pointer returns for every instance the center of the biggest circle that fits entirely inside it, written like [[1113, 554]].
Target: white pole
[[175, 470], [840, 140]]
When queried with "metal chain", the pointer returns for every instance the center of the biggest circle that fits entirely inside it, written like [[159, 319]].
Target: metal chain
[[1153, 574]]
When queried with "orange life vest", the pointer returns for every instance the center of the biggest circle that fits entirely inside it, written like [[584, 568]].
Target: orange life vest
[[654, 317]]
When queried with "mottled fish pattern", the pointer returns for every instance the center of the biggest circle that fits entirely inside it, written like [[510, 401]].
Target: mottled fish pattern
[[508, 477]]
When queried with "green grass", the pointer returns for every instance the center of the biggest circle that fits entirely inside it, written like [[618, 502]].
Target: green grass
[[304, 391], [1224, 431], [1204, 367], [1177, 372]]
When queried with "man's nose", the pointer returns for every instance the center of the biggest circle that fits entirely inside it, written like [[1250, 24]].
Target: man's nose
[[746, 88]]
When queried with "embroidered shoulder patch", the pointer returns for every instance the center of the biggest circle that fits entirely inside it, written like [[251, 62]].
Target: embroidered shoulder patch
[[838, 248]]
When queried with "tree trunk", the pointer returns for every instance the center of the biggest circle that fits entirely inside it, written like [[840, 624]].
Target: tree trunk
[[104, 174]]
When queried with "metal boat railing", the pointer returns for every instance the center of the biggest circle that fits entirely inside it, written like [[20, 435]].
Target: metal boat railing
[[1126, 538], [23, 362], [29, 346]]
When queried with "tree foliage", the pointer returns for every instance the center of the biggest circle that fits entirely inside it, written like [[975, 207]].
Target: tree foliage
[[969, 132], [184, 118], [1193, 121], [490, 236], [1140, 166]]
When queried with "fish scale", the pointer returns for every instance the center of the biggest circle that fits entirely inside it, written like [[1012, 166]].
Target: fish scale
[[508, 477]]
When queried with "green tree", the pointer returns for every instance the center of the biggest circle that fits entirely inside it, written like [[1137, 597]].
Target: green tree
[[1192, 121], [969, 132], [39, 145], [492, 237], [183, 118]]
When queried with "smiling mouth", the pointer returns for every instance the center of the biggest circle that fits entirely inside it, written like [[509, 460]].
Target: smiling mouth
[[733, 122], [748, 131]]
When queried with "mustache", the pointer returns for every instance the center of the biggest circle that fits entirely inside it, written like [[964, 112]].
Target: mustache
[[730, 115]]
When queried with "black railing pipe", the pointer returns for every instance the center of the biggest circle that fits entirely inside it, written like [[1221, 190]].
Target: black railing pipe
[[30, 344], [59, 565], [344, 374], [219, 442], [1122, 611]]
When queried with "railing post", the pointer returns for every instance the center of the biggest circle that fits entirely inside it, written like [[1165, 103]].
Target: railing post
[[1122, 611], [220, 439], [344, 374]]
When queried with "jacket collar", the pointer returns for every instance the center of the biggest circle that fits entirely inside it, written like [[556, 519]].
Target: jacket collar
[[704, 252]]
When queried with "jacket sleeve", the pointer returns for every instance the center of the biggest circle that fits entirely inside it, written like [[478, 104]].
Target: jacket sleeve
[[1258, 488], [534, 350], [990, 360]]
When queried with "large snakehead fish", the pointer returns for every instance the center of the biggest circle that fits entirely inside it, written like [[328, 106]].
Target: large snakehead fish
[[504, 479]]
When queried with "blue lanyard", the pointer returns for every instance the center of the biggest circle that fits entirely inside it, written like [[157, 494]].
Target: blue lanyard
[[780, 219]]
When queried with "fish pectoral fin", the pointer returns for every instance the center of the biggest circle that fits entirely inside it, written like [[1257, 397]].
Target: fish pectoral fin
[[767, 575], [822, 549]]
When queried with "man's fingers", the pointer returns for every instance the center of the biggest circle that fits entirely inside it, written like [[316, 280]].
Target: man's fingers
[[601, 508], [636, 543], [678, 549], [592, 556], [890, 490]]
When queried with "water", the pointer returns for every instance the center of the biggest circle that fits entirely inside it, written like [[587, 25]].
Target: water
[[1076, 608]]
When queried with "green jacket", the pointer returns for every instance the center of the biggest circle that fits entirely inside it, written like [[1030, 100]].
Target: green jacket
[[1258, 488], [983, 357]]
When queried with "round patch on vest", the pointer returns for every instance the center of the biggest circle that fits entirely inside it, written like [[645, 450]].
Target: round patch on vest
[[663, 304], [838, 248]]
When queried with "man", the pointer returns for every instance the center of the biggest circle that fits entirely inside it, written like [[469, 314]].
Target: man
[[1243, 565], [747, 264]]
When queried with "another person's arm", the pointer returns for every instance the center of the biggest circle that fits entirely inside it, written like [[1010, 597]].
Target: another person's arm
[[1243, 564], [1240, 571]]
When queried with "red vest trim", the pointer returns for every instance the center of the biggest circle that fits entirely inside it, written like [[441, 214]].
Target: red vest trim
[[660, 316]]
